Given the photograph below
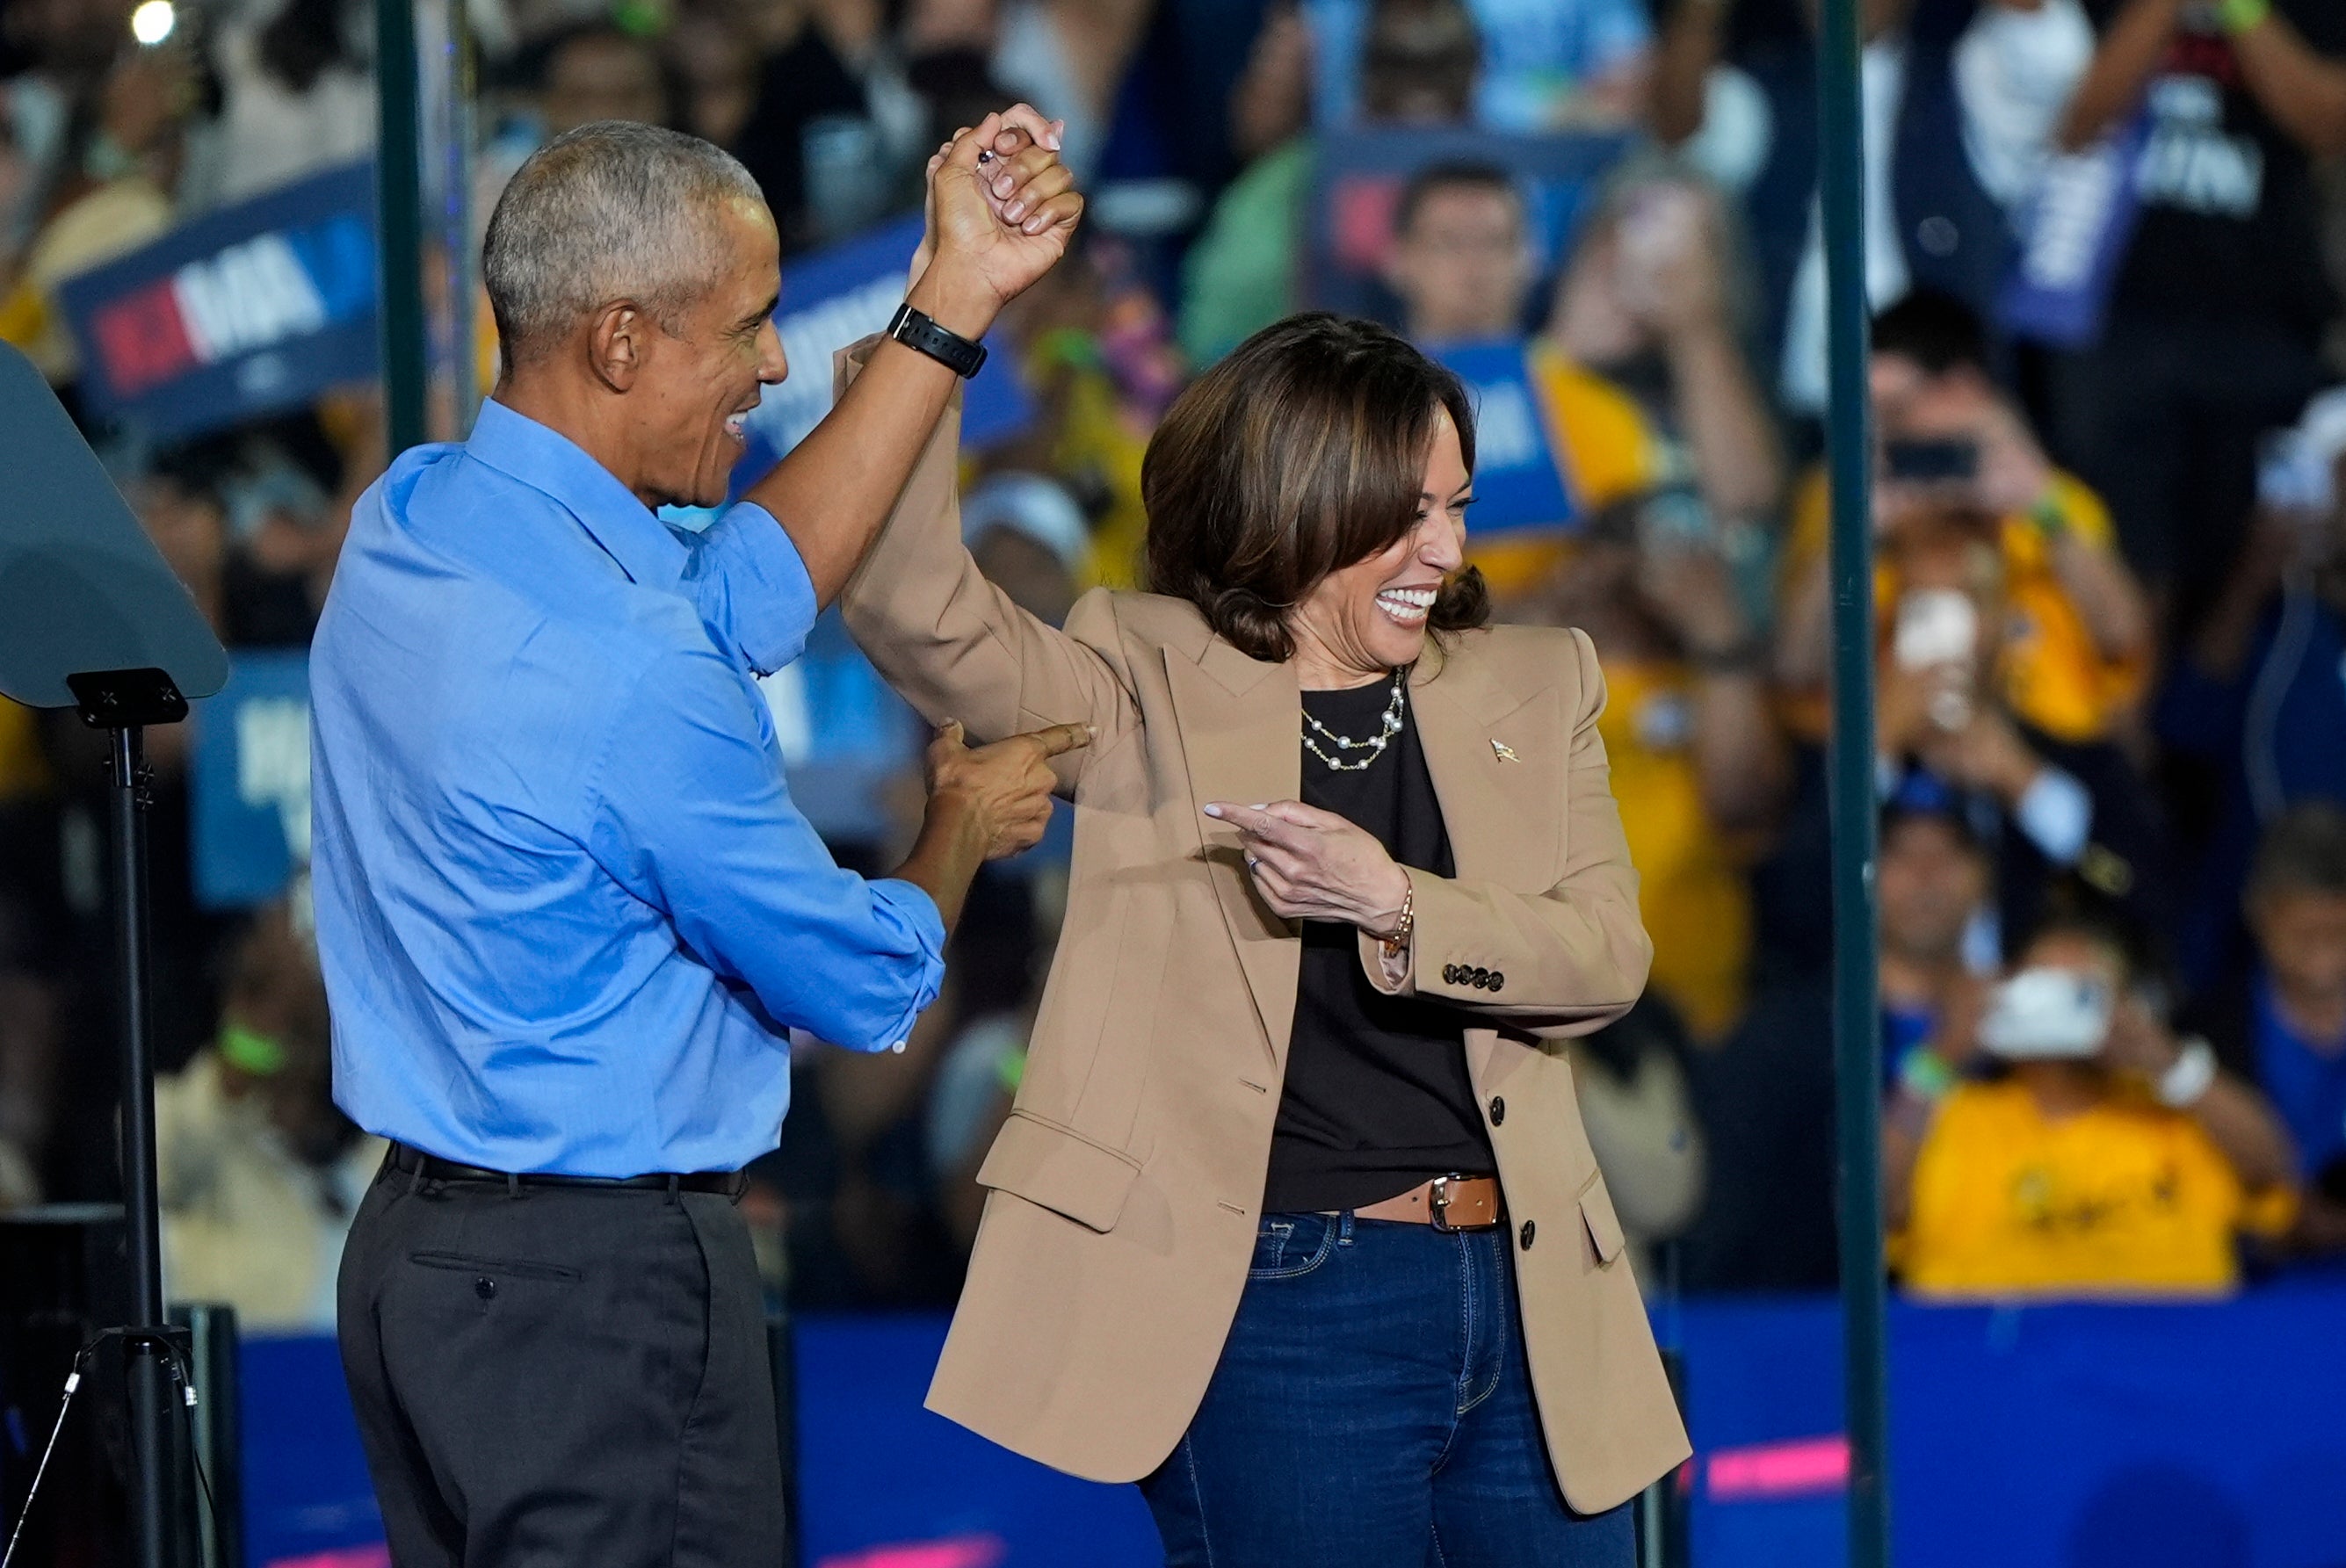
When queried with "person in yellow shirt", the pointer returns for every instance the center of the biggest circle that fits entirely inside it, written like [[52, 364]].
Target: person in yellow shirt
[[1698, 766], [2076, 632], [2097, 1156]]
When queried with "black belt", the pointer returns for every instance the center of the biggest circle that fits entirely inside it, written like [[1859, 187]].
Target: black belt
[[432, 1168]]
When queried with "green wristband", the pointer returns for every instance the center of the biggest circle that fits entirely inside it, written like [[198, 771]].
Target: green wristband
[[251, 1051], [1926, 1076], [2238, 16], [2050, 519]]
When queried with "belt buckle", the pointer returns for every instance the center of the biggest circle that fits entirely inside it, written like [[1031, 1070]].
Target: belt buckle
[[1437, 1204]]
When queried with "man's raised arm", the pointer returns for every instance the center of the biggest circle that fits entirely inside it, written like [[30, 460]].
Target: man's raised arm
[[837, 487]]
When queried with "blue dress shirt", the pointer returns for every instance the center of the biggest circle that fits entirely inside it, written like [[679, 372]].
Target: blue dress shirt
[[566, 910]]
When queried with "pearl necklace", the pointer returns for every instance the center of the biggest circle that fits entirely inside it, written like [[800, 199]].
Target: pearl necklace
[[1374, 745]]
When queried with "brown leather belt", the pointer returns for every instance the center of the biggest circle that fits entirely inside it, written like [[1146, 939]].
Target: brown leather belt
[[1445, 1203]]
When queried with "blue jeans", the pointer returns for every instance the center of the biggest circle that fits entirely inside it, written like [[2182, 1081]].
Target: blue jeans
[[1373, 1409]]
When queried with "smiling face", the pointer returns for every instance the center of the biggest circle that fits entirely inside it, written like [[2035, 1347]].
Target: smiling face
[[1361, 621], [697, 384]]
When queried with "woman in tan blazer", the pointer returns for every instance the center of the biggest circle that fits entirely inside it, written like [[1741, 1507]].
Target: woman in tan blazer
[[1294, 1221]]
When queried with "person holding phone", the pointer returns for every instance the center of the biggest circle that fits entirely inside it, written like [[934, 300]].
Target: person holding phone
[[1295, 1220], [2086, 1150], [1954, 444]]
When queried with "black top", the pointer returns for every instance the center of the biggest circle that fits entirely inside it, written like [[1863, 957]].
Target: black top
[[2229, 226], [1377, 1099]]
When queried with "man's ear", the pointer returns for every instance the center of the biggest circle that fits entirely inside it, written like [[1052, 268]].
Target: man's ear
[[619, 341]]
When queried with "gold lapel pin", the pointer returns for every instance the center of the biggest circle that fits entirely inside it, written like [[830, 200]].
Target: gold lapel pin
[[1502, 751]]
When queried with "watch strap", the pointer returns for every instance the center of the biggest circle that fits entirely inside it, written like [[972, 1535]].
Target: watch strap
[[915, 330]]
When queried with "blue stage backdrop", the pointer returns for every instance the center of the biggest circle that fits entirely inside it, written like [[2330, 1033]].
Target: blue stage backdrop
[[2052, 1437], [247, 310]]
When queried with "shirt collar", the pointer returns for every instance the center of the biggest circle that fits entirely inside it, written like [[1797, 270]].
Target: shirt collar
[[547, 461]]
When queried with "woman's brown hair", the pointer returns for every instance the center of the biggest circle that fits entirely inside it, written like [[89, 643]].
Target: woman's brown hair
[[1302, 451]]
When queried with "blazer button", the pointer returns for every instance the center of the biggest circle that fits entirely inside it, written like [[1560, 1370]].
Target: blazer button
[[1449, 974], [1498, 981], [1523, 1236], [1498, 1110], [485, 1288], [1482, 978]]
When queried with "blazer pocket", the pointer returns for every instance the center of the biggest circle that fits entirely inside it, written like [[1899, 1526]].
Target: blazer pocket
[[1060, 1169], [1603, 1226]]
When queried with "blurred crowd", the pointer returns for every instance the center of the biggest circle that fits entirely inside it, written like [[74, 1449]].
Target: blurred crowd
[[2110, 582]]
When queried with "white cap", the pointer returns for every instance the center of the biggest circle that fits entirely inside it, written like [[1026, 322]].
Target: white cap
[[1031, 505]]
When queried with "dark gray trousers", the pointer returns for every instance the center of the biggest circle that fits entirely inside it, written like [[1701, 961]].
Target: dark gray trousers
[[572, 1378]]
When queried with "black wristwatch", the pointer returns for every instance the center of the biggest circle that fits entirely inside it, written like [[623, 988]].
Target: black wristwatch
[[948, 348]]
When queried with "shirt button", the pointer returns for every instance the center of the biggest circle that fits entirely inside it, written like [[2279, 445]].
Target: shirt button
[[1498, 1110], [485, 1288], [898, 1047], [1523, 1236]]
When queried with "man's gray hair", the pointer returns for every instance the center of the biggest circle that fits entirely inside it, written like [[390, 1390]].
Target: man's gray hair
[[611, 210]]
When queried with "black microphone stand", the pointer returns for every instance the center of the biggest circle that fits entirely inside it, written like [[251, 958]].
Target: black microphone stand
[[123, 703], [91, 618]]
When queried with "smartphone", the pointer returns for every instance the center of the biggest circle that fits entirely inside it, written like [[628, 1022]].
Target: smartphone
[[1935, 627], [1936, 461], [2048, 1015]]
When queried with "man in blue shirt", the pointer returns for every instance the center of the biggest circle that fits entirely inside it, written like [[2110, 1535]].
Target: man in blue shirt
[[2284, 1029], [567, 911]]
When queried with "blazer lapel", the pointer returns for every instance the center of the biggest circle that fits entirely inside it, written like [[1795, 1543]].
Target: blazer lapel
[[1498, 764], [1241, 741], [1502, 805]]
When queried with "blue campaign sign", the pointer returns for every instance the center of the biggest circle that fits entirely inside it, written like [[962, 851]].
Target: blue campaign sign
[[830, 300], [1518, 478], [249, 788], [256, 308], [2075, 240]]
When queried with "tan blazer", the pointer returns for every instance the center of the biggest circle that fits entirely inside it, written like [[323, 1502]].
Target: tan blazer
[[1126, 1185]]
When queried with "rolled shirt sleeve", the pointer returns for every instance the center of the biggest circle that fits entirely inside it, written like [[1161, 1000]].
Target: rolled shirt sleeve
[[752, 589], [694, 818]]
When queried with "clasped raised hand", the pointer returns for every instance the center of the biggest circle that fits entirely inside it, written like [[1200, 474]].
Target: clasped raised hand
[[996, 224]]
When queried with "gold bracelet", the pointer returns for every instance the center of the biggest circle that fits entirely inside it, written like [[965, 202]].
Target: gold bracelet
[[1394, 943]]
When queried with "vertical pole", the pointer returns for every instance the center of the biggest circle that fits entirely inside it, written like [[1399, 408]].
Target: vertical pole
[[456, 219], [155, 1508], [399, 197], [1857, 1014]]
